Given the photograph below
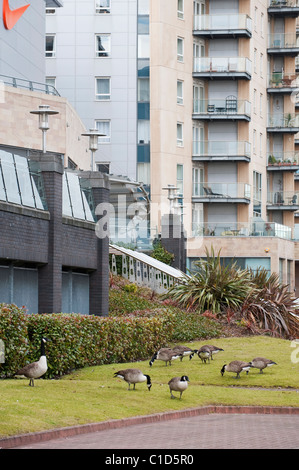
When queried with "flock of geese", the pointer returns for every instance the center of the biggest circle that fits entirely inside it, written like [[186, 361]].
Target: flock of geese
[[134, 376]]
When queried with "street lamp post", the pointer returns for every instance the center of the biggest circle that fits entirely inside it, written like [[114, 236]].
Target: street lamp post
[[43, 113], [93, 135]]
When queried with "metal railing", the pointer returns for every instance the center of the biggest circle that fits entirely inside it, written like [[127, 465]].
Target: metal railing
[[283, 158], [242, 229], [222, 64], [284, 3], [283, 79], [29, 85]]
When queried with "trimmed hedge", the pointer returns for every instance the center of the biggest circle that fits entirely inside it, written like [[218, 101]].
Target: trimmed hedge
[[79, 340]]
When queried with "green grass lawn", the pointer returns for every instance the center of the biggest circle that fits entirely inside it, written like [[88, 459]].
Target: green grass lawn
[[92, 394]]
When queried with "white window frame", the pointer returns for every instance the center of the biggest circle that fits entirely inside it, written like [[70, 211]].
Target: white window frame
[[180, 135], [180, 93], [107, 138], [102, 9], [51, 54], [180, 12], [180, 55], [107, 52], [108, 95]]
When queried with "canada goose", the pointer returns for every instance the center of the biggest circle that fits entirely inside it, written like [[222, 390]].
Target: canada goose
[[214, 349], [204, 353], [133, 376], [237, 367], [36, 369], [178, 384], [261, 363], [185, 351], [165, 354]]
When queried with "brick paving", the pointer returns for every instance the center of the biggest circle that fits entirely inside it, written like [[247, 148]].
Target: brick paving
[[205, 431]]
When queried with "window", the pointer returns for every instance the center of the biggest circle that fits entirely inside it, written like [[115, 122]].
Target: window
[[180, 49], [50, 45], [143, 131], [104, 127], [103, 45], [262, 25], [143, 7], [103, 92], [180, 179], [197, 180], [103, 6], [179, 133], [261, 144], [181, 9], [50, 11], [257, 194], [180, 96], [254, 101], [103, 167], [254, 60], [143, 90], [254, 141], [143, 24], [144, 173], [51, 85], [261, 65], [255, 19], [261, 104], [143, 46]]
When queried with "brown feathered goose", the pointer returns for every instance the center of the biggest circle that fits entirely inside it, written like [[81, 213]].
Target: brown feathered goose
[[133, 376], [36, 369], [166, 355], [214, 349], [204, 353], [178, 384], [261, 363], [237, 367], [185, 351]]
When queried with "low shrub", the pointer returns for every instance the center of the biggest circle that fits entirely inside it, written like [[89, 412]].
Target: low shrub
[[78, 340]]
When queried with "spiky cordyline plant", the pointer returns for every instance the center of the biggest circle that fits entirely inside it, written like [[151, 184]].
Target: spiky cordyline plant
[[214, 286]]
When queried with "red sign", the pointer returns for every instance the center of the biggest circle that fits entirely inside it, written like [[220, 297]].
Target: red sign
[[10, 17]]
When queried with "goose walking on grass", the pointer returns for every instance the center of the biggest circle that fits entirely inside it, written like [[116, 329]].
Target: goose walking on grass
[[178, 384], [185, 351], [166, 355], [134, 376], [204, 354], [261, 363], [37, 369], [237, 367]]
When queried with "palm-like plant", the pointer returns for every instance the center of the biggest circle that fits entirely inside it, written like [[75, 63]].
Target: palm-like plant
[[214, 286]]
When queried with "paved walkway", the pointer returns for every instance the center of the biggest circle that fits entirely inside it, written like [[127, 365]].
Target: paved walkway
[[232, 429]]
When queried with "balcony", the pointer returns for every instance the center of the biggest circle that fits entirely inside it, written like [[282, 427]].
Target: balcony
[[221, 150], [283, 200], [222, 68], [283, 44], [229, 108], [221, 192], [258, 228], [286, 161], [223, 26], [283, 82], [283, 8], [287, 123]]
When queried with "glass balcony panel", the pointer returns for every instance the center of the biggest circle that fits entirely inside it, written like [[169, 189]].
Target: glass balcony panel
[[256, 228], [10, 177], [282, 40], [285, 158], [222, 190], [222, 64], [283, 198], [228, 105], [222, 22], [283, 120], [283, 79]]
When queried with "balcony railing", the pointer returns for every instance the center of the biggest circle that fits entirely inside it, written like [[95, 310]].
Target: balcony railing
[[220, 191], [221, 149], [283, 80], [222, 65], [282, 41], [222, 22], [283, 199], [227, 106], [283, 159], [288, 120], [241, 229], [29, 85], [283, 3]]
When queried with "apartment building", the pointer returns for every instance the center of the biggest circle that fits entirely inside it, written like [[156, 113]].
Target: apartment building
[[199, 95]]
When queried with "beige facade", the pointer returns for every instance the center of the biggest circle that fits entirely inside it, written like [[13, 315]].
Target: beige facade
[[19, 128], [229, 127]]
